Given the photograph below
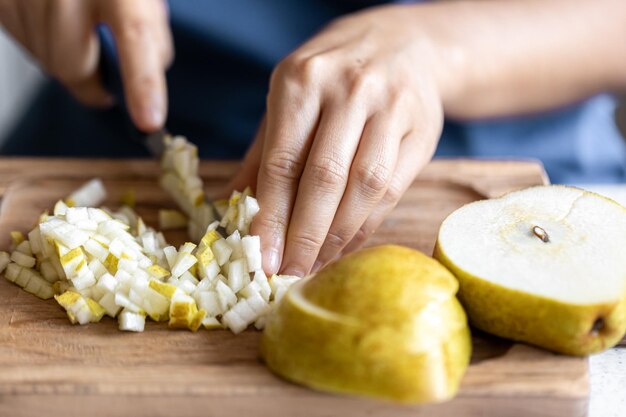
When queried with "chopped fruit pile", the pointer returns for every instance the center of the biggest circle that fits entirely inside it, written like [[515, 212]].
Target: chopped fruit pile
[[181, 180], [98, 262]]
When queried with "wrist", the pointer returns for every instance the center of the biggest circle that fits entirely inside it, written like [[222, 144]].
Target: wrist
[[438, 51]]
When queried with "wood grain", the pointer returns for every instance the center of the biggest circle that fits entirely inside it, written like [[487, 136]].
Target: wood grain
[[49, 367]]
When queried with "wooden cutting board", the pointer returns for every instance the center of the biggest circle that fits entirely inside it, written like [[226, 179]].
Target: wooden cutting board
[[49, 367]]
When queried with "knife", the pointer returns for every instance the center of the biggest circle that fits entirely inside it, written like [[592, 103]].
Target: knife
[[112, 82]]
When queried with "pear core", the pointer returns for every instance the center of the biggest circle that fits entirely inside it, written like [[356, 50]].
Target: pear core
[[382, 322], [545, 265]]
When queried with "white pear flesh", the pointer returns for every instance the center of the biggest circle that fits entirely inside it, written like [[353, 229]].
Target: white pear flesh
[[545, 265]]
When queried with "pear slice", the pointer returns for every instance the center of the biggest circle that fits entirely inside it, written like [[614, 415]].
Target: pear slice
[[545, 265], [382, 322]]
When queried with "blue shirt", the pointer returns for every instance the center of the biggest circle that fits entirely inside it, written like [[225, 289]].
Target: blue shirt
[[225, 52]]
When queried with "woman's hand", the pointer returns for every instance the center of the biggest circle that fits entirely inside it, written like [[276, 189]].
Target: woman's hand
[[352, 117], [60, 34]]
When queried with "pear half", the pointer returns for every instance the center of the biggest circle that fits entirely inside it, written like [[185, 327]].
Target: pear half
[[382, 322], [545, 265]]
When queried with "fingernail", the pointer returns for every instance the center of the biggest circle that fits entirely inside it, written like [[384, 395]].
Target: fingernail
[[316, 266], [153, 115], [153, 110], [293, 270], [273, 261]]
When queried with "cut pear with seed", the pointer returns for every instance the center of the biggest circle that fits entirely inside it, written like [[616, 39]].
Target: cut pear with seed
[[381, 322], [545, 265]]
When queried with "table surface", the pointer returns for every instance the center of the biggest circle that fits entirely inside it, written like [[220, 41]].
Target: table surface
[[608, 369], [48, 369]]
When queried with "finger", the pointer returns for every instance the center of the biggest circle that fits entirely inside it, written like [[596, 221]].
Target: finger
[[90, 92], [31, 15], [11, 21], [166, 42], [322, 185], [247, 174], [292, 116], [135, 26], [414, 153], [371, 172], [74, 51]]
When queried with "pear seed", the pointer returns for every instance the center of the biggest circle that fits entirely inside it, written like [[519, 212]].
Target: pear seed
[[541, 233]]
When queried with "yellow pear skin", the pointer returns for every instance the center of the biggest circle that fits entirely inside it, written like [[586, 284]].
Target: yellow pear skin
[[383, 322], [559, 327]]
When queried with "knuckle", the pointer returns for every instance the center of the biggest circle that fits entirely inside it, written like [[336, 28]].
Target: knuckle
[[363, 81], [134, 29], [270, 221], [302, 69], [146, 82], [327, 172], [361, 235], [372, 180], [337, 239], [282, 166], [306, 242], [312, 67], [399, 99], [393, 194]]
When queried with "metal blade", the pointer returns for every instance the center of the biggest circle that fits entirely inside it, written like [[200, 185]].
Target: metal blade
[[154, 142]]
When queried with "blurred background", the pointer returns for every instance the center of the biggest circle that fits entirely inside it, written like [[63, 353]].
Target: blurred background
[[20, 80]]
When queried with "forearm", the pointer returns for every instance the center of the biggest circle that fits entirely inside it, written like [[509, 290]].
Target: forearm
[[498, 58]]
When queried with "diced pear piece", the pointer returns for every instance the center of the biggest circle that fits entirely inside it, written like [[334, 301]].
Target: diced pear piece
[[108, 303], [24, 247], [171, 219], [23, 260], [79, 309], [5, 258], [252, 251], [183, 263], [158, 271], [184, 313], [91, 194], [208, 300], [131, 322], [211, 323], [167, 290], [13, 272], [17, 237], [222, 251]]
